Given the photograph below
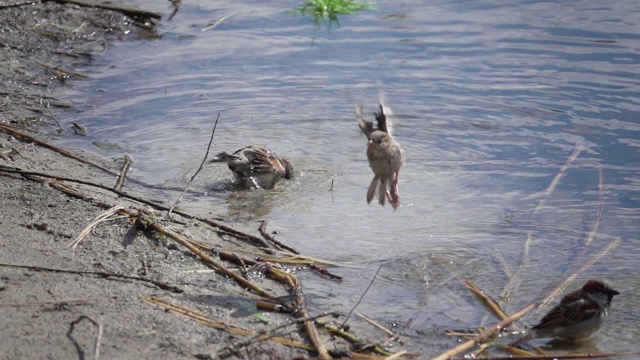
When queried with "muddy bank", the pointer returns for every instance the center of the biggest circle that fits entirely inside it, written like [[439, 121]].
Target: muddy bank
[[117, 288]]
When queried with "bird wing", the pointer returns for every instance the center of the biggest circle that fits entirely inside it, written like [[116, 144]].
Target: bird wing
[[568, 313], [224, 157], [384, 117], [264, 161], [365, 126]]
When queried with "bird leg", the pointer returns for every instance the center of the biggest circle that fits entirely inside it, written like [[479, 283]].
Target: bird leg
[[382, 190], [395, 193]]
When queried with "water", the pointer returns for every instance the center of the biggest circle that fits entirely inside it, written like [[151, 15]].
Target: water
[[491, 100]]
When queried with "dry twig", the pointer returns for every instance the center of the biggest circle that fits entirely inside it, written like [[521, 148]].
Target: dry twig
[[123, 173], [102, 274], [197, 171], [96, 347]]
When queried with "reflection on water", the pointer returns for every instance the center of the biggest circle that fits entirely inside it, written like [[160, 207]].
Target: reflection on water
[[491, 99]]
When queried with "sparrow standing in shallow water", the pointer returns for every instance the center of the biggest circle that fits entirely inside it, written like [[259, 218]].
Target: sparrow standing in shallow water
[[256, 167], [578, 316], [384, 154]]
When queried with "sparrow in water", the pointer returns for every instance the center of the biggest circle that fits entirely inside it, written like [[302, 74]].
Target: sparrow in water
[[384, 154], [256, 167], [578, 316]]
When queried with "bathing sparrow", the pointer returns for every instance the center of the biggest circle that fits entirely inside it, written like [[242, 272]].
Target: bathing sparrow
[[256, 167], [385, 156], [578, 316]]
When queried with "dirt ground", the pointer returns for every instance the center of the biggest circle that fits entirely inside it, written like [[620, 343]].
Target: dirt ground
[[50, 296]]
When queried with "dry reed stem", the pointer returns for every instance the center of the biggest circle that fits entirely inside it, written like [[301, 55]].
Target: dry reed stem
[[516, 279], [146, 222], [476, 353], [290, 280], [377, 324], [518, 351], [503, 263], [54, 181], [396, 355], [558, 177], [558, 289], [337, 331], [299, 304], [561, 357], [484, 335], [235, 347], [489, 302], [87, 230], [20, 135], [219, 324], [46, 302], [596, 224], [102, 274], [265, 234]]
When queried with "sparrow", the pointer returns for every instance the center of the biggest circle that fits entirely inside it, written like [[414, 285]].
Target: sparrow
[[385, 156], [578, 316], [256, 167]]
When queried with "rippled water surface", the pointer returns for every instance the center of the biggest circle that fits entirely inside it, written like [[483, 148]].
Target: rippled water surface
[[491, 99]]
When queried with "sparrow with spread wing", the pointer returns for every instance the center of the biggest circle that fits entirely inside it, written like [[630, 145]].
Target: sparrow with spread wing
[[385, 156], [256, 167]]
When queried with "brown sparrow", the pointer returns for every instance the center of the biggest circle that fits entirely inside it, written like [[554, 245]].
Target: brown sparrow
[[256, 167], [385, 156], [578, 316]]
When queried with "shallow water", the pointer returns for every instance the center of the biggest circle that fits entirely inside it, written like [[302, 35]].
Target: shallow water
[[491, 99]]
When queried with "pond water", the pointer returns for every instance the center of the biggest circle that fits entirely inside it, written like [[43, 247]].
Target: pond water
[[491, 100]]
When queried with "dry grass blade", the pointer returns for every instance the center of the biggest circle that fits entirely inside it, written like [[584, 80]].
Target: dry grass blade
[[87, 230]]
